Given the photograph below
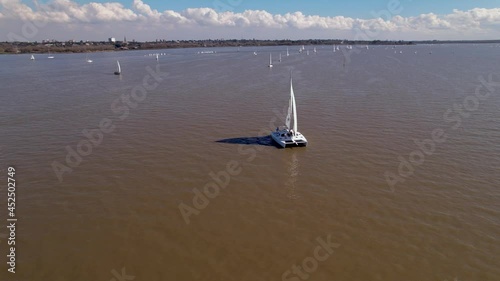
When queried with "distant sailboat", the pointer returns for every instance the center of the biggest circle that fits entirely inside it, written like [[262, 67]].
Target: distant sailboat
[[254, 53], [32, 57], [287, 135], [119, 69], [280, 58], [157, 59], [315, 50], [287, 53], [270, 61], [50, 56], [87, 59]]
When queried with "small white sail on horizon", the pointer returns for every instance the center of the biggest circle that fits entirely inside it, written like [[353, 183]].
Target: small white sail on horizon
[[280, 58], [270, 60], [287, 53], [119, 69], [50, 56], [32, 57], [87, 59]]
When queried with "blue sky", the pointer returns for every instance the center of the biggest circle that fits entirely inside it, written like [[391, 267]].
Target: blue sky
[[261, 19], [349, 8]]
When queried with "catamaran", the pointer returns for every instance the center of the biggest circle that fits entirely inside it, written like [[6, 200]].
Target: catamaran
[[119, 69], [287, 136]]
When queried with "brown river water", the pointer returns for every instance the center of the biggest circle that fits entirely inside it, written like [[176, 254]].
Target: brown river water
[[167, 172]]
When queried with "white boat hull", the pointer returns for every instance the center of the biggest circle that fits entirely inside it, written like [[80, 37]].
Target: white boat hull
[[286, 139]]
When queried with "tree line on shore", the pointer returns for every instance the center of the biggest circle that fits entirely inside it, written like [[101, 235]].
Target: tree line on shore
[[82, 47]]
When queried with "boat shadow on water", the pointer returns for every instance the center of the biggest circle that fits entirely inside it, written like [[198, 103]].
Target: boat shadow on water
[[264, 141]]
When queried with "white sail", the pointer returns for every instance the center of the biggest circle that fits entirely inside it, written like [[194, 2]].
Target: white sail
[[119, 68], [289, 115], [280, 57], [50, 56], [32, 57], [287, 54], [290, 107], [294, 107], [270, 60]]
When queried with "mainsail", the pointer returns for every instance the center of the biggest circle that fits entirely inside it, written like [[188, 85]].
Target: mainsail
[[289, 115], [294, 112]]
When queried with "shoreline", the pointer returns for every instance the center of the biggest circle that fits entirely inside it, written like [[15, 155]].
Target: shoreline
[[93, 47]]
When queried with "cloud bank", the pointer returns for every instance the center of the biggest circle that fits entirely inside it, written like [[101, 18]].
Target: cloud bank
[[70, 17]]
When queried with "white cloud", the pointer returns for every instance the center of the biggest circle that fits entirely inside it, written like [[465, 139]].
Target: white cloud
[[144, 17]]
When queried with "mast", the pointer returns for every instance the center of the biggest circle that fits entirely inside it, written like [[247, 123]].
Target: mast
[[294, 107], [289, 113]]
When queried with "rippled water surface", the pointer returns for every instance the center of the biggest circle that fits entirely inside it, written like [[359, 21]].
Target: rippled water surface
[[116, 209]]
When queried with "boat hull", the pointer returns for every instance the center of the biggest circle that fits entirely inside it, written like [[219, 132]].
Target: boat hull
[[286, 139]]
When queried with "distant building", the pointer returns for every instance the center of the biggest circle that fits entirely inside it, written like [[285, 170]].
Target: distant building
[[112, 40]]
